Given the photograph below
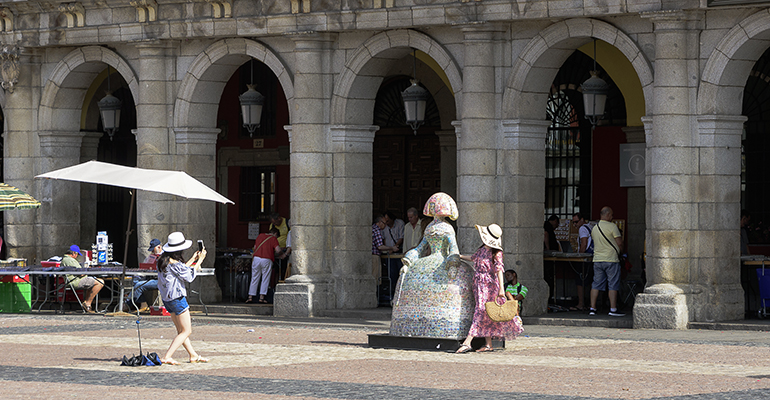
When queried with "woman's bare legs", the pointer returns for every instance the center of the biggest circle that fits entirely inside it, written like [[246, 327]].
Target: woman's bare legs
[[183, 325]]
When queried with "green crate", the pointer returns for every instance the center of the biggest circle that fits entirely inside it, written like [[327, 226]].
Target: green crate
[[15, 297]]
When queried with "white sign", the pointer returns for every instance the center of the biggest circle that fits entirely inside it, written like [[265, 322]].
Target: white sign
[[253, 230], [632, 164]]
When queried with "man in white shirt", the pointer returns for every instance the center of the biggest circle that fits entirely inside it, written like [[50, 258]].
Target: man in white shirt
[[393, 234], [413, 229]]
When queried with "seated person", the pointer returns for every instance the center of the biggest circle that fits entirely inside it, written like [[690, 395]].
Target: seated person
[[513, 289], [266, 247], [141, 284], [91, 285]]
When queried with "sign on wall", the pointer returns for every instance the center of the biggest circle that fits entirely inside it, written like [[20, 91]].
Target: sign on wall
[[632, 164], [253, 230]]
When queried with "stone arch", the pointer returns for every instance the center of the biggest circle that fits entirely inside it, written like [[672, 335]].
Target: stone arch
[[354, 92], [728, 67], [62, 98], [534, 70], [209, 72]]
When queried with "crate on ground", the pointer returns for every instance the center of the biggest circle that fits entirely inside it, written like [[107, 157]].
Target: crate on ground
[[15, 297]]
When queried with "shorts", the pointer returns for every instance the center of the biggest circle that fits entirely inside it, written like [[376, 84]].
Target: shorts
[[177, 306], [604, 273], [87, 282]]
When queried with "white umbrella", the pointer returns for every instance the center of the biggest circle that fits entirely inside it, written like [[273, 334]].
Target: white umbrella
[[155, 180]]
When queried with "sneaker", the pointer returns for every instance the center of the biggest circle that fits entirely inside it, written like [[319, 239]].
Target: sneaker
[[617, 313], [592, 311]]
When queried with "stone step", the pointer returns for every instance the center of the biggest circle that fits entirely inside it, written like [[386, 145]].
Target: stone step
[[236, 309]]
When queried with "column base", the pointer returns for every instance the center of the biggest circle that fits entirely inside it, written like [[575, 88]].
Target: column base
[[359, 291], [303, 296], [668, 306], [536, 302]]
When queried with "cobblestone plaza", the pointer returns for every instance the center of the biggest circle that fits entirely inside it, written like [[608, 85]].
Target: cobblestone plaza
[[78, 357]]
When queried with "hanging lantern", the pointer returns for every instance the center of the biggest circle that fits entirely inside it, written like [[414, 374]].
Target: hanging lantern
[[109, 108], [251, 108], [415, 100]]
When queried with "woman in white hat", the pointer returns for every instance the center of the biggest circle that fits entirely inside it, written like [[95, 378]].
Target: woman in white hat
[[172, 273], [488, 285]]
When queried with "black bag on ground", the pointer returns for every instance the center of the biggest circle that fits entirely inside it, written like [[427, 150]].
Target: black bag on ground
[[150, 360], [242, 282]]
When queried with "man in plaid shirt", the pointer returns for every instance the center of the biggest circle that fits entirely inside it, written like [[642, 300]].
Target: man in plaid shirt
[[377, 235]]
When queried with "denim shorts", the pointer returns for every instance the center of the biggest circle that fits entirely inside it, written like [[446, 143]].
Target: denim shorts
[[604, 273], [177, 306]]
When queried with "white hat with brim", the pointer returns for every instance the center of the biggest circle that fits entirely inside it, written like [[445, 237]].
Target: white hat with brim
[[490, 235], [176, 242]]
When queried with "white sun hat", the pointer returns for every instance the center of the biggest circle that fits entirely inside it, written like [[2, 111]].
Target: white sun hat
[[176, 242], [490, 235]]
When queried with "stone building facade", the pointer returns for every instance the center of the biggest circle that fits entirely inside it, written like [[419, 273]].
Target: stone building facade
[[490, 66]]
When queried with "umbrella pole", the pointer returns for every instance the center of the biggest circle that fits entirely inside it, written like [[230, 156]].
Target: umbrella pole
[[125, 252]]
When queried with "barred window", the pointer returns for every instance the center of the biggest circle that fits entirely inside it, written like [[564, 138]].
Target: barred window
[[257, 198]]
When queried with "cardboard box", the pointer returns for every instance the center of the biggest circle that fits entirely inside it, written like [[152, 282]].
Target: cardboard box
[[14, 278]]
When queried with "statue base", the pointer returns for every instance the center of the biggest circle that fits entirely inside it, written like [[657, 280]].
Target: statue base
[[385, 341]]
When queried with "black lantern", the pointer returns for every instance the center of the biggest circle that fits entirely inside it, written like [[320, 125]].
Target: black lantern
[[251, 105], [415, 100], [109, 108], [594, 94]]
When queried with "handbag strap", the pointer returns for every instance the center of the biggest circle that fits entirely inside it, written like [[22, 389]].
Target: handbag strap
[[608, 240], [260, 245]]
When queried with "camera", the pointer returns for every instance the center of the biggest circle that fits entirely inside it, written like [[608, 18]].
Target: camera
[[200, 245]]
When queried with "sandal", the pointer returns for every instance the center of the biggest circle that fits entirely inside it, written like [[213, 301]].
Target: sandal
[[170, 361], [485, 349], [89, 310], [249, 300], [263, 301], [464, 349], [199, 360]]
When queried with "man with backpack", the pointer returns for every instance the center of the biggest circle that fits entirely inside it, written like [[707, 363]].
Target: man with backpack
[[586, 245]]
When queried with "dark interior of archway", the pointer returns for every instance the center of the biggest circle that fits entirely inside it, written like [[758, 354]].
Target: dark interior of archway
[[569, 141], [407, 167], [113, 203], [755, 181]]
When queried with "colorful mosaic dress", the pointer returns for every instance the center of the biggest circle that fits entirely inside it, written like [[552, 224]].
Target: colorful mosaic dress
[[434, 297], [486, 288]]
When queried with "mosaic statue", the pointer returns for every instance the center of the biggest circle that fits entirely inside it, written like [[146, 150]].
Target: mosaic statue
[[434, 294]]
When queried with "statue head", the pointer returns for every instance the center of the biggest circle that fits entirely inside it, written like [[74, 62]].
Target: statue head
[[441, 205]]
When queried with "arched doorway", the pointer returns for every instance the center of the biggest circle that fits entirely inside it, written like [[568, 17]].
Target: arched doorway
[[407, 166]]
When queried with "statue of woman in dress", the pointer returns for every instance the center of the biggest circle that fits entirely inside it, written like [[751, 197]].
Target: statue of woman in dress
[[434, 294]]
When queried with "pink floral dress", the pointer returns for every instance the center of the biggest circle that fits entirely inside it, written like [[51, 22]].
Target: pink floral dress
[[486, 288]]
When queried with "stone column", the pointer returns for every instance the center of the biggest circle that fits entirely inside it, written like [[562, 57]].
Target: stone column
[[88, 151], [351, 236], [524, 191], [58, 224], [478, 196], [310, 288], [20, 113], [719, 295], [673, 219], [448, 145], [635, 224], [196, 155], [157, 214]]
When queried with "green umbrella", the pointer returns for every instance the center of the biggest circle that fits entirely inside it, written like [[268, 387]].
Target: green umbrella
[[13, 198]]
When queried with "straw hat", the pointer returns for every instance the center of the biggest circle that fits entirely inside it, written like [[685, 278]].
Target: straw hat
[[176, 242], [490, 235]]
